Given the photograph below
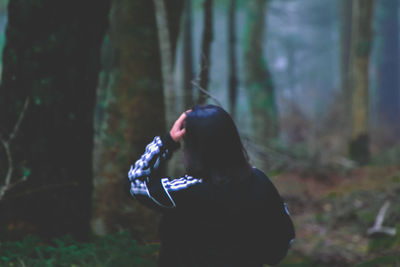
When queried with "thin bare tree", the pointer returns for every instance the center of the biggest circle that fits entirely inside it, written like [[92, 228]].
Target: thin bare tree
[[232, 60], [187, 55], [8, 182], [205, 58], [388, 68], [258, 79], [361, 42], [166, 61]]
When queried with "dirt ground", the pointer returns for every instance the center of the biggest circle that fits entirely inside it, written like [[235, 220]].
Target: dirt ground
[[332, 212]]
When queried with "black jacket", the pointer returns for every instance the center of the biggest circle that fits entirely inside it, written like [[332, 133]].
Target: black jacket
[[241, 224]]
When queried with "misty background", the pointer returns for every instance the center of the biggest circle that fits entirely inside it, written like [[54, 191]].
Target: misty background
[[313, 87]]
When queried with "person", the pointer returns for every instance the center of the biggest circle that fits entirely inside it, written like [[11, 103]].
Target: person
[[223, 212]]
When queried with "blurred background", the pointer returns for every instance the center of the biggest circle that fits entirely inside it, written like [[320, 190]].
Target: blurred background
[[313, 87]]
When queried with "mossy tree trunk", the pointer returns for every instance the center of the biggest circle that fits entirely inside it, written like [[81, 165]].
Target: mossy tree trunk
[[52, 56], [257, 76], [359, 64], [345, 47], [167, 28], [345, 44], [130, 112], [168, 15]]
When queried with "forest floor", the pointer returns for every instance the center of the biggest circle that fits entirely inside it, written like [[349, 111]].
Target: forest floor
[[332, 213]]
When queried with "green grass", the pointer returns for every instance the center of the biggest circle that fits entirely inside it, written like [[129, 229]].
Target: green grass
[[112, 250], [383, 261], [123, 250]]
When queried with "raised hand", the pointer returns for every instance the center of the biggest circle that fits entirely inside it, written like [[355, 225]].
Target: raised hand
[[178, 130]]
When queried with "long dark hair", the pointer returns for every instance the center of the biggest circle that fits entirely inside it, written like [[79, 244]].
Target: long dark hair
[[213, 147]]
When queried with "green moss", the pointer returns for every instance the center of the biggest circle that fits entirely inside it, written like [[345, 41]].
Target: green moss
[[384, 244], [113, 250], [363, 47], [383, 261], [366, 216]]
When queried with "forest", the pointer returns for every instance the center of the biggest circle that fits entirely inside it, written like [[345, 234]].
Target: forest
[[313, 86]]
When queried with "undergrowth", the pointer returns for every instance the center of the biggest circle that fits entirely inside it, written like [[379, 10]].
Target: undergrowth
[[122, 250], [112, 250]]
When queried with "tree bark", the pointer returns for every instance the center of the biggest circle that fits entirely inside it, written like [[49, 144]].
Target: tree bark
[[345, 45], [187, 56], [174, 9], [345, 48], [168, 16], [388, 86], [258, 79], [52, 56], [205, 59], [360, 52], [165, 32], [232, 60], [130, 112]]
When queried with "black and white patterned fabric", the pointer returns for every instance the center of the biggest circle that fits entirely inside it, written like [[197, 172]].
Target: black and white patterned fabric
[[158, 190], [243, 224]]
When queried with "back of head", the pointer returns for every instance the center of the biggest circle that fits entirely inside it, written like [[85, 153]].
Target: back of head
[[213, 145]]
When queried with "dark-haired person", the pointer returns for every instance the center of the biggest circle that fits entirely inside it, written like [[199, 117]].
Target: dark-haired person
[[223, 212]]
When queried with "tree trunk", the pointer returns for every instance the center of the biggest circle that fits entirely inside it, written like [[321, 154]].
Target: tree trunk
[[205, 59], [165, 33], [360, 51], [388, 87], [187, 56], [345, 44], [341, 113], [258, 79], [290, 47], [174, 10], [168, 16], [345, 47], [232, 60], [130, 112], [52, 56]]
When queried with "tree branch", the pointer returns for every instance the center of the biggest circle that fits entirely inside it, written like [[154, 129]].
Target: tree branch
[[7, 148], [378, 229], [18, 124], [202, 90]]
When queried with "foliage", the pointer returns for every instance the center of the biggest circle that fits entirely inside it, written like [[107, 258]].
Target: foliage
[[359, 208], [387, 156], [385, 251], [297, 260], [390, 260], [112, 250], [378, 245]]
